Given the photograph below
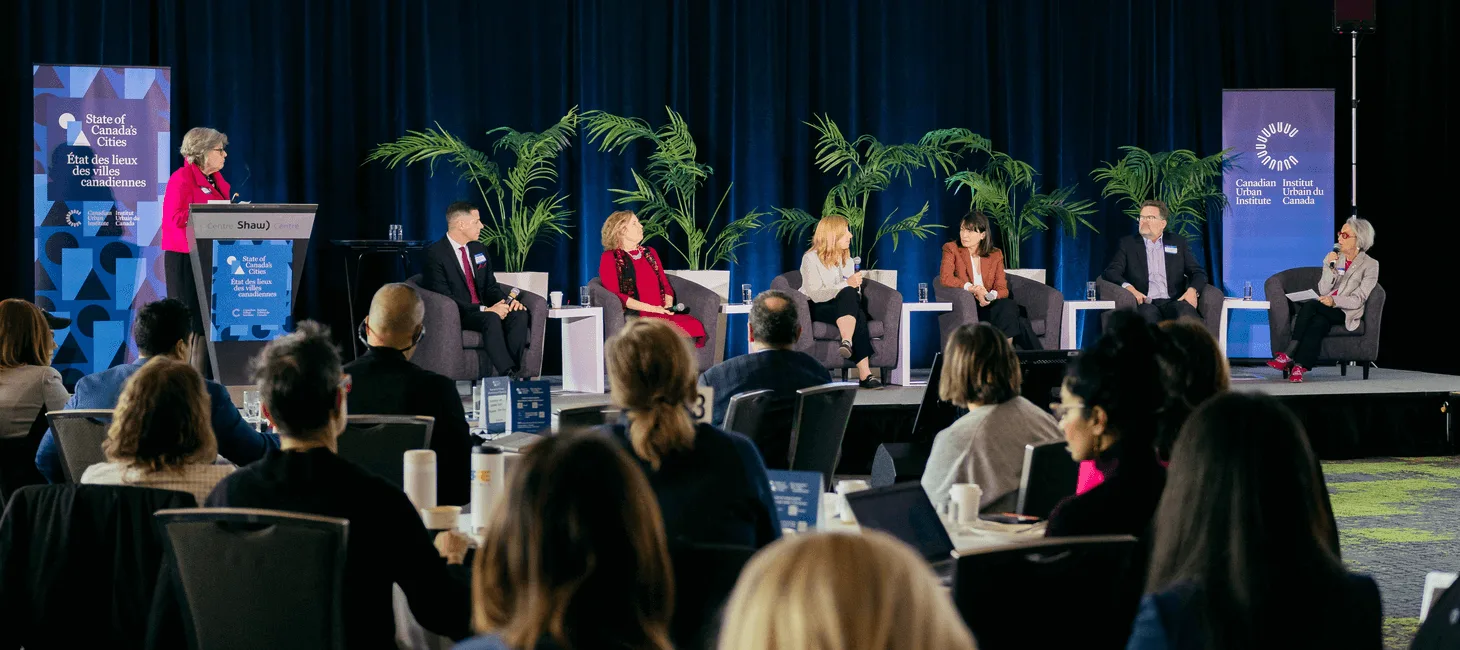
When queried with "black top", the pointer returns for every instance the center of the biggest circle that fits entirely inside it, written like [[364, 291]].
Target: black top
[[383, 382], [1182, 268], [1123, 504], [1341, 612], [784, 371], [387, 541], [714, 493], [441, 272]]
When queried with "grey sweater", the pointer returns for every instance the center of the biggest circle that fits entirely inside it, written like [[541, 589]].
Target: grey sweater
[[986, 447], [820, 282]]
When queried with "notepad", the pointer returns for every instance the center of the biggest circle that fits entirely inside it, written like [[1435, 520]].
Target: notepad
[[1300, 296]]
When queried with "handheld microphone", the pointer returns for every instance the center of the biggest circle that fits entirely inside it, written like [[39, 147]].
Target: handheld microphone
[[679, 308], [856, 264], [1334, 262], [512, 295], [247, 174]]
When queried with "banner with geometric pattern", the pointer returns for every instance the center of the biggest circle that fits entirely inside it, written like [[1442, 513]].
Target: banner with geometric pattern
[[102, 151]]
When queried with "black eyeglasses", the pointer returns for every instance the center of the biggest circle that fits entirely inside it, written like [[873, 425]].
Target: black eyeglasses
[[1060, 409]]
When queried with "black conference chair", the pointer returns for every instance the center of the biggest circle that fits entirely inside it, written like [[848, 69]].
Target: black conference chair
[[1006, 594], [79, 436], [819, 425], [379, 442], [766, 419], [251, 578], [704, 576], [1049, 475]]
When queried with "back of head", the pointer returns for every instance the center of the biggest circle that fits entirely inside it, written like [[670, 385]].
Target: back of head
[[396, 312], [458, 210], [580, 556], [1193, 370], [299, 377], [840, 592], [1243, 514], [25, 339], [162, 421], [652, 376], [161, 325], [773, 319], [1120, 374], [979, 366]]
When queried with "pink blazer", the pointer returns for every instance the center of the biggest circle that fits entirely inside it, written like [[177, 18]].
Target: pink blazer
[[185, 187]]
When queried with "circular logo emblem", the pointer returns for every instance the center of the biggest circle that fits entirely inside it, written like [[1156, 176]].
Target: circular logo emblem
[[1273, 156]]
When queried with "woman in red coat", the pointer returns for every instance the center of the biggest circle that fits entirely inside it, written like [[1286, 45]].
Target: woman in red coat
[[635, 273], [199, 180], [973, 264]]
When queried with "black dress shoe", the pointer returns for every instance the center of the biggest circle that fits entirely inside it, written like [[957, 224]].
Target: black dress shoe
[[845, 350], [870, 383]]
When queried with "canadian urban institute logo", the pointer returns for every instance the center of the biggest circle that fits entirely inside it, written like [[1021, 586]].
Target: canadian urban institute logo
[[1293, 191], [1264, 155]]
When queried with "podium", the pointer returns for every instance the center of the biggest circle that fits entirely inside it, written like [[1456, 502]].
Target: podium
[[247, 259]]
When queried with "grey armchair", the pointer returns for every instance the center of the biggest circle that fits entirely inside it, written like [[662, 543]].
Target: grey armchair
[[703, 304], [1340, 346], [449, 350], [1043, 304], [821, 340], [1208, 303]]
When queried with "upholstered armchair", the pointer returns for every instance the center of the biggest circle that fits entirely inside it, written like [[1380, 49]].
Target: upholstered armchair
[[1340, 345], [702, 303], [821, 340], [449, 350]]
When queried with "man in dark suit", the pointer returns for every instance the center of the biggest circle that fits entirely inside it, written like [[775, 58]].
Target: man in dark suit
[[458, 267], [772, 363], [1158, 268], [385, 382]]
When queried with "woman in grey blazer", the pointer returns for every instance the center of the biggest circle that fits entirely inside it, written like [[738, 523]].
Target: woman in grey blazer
[[1349, 274], [831, 281], [28, 384]]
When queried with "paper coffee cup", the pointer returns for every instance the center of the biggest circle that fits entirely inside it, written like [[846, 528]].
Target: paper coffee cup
[[555, 299], [441, 517]]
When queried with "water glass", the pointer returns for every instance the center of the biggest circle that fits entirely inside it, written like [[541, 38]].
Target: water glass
[[1247, 290], [396, 233], [585, 297], [746, 296], [922, 292], [252, 407], [1089, 290]]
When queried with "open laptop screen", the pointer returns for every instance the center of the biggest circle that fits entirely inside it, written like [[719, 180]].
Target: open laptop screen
[[904, 511]]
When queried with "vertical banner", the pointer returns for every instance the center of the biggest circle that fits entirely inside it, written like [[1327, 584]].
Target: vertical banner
[[1281, 196], [102, 139]]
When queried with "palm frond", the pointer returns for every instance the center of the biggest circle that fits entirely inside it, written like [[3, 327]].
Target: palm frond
[[613, 132], [793, 224], [911, 225], [432, 145]]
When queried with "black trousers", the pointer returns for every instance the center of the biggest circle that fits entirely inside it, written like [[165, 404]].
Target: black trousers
[[178, 267], [1004, 315], [1155, 311], [848, 302], [1313, 322], [504, 339]]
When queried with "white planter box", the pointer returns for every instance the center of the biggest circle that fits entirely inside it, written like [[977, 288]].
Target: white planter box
[[1036, 275], [533, 281], [716, 281], [882, 276]]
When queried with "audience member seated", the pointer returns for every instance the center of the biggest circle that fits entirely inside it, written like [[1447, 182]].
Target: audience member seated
[[1109, 408], [711, 484], [304, 395], [29, 388], [1243, 554], [985, 446], [160, 436], [848, 592], [161, 330], [579, 560], [385, 382], [772, 364]]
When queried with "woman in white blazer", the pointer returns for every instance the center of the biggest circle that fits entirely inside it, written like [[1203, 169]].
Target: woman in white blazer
[[831, 282], [1348, 276]]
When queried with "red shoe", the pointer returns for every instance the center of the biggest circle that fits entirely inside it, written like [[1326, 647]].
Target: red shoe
[[1296, 374], [1281, 362]]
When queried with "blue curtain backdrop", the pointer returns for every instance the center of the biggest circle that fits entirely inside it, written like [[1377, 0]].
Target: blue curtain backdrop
[[304, 88]]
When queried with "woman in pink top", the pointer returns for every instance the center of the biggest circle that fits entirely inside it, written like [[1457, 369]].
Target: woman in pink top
[[634, 272], [199, 180]]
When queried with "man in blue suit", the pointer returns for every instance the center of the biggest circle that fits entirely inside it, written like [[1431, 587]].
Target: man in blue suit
[[161, 330], [772, 363]]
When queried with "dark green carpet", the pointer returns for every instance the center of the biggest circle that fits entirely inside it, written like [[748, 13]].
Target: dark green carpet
[[1397, 520]]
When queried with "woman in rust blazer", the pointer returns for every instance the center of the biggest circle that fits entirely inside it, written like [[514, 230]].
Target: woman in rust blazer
[[973, 264]]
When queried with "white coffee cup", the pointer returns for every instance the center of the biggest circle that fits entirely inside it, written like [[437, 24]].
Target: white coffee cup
[[963, 500], [843, 488], [441, 517], [555, 298]]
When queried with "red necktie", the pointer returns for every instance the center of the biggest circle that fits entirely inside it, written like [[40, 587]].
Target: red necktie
[[471, 284]]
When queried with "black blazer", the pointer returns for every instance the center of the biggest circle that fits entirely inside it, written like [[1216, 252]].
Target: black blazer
[[1343, 612], [1123, 504], [442, 273], [1183, 271], [784, 371], [385, 383]]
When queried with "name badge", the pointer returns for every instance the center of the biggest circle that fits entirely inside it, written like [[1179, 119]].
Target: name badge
[[206, 190], [481, 259], [1170, 250], [1341, 270]]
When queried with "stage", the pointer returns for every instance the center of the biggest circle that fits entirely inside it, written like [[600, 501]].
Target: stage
[[1393, 413]]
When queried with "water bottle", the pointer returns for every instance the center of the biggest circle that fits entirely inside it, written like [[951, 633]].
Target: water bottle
[[1090, 291], [922, 292], [488, 481]]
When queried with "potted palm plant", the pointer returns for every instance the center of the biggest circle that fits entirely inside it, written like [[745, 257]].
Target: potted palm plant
[[997, 190], [521, 207], [1189, 184], [665, 196], [867, 166]]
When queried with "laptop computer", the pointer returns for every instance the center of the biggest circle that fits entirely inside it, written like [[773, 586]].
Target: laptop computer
[[905, 512], [1042, 373], [934, 414]]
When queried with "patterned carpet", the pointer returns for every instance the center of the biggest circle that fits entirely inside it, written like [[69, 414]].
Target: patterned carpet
[[1397, 521]]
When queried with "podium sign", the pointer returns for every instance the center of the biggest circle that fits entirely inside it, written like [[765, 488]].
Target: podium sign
[[247, 260]]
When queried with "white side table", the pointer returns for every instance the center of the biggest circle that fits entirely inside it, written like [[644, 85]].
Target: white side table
[[1236, 303], [582, 348], [902, 374], [728, 308], [1068, 337]]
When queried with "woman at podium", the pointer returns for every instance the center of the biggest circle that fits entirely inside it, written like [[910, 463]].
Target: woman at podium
[[199, 180]]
